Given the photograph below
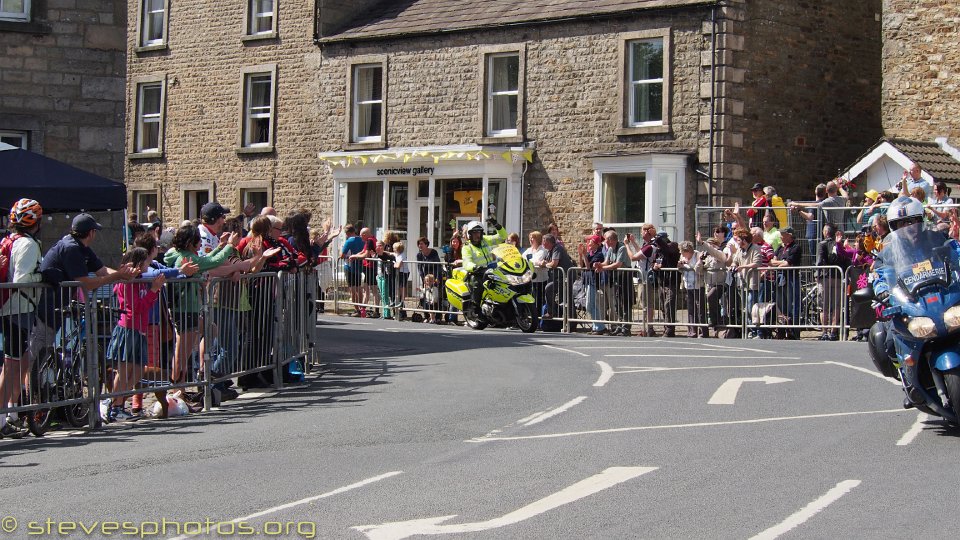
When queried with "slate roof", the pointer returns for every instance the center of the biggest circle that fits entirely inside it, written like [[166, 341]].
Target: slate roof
[[931, 158], [411, 17]]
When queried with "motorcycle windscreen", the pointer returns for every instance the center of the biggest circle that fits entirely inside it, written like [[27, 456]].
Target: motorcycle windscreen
[[507, 253], [918, 257]]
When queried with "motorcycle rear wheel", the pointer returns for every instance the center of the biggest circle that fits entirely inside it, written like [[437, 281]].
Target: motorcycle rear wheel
[[952, 380], [526, 318], [477, 322]]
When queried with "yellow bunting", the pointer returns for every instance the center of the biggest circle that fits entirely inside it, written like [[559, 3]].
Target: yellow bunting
[[406, 157], [528, 155], [507, 156], [363, 159]]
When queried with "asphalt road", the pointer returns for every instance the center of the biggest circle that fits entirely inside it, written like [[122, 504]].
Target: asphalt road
[[415, 429]]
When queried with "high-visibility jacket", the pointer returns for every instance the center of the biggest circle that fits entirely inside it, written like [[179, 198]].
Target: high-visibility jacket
[[474, 256]]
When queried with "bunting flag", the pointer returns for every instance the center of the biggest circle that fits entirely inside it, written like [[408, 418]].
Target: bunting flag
[[510, 156]]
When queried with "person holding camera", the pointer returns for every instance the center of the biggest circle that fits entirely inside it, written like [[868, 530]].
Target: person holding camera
[[645, 255], [913, 178]]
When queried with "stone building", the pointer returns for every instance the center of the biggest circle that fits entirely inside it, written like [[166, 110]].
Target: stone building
[[422, 114], [62, 80], [921, 97]]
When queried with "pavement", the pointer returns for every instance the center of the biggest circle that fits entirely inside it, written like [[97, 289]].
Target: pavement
[[413, 430]]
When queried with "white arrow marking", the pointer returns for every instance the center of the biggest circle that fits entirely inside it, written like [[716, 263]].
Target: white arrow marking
[[584, 488], [727, 393]]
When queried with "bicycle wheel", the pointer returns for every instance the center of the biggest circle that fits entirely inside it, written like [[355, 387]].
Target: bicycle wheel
[[43, 390], [73, 384]]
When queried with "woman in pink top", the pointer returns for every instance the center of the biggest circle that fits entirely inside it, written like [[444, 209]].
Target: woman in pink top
[[127, 350]]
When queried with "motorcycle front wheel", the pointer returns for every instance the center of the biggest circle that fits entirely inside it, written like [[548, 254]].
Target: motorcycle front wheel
[[952, 380], [473, 320], [526, 318]]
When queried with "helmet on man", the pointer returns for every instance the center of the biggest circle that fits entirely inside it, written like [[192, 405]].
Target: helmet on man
[[475, 232], [904, 211], [25, 213]]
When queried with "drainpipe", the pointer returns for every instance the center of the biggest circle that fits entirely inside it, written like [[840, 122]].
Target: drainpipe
[[713, 90], [316, 22]]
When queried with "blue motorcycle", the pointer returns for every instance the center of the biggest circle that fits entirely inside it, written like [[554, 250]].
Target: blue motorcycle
[[919, 342]]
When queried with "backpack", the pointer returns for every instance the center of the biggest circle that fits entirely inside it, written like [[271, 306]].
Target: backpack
[[6, 250]]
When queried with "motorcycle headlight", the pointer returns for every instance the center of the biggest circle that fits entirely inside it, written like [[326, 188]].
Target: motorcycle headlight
[[952, 318], [922, 327], [521, 279]]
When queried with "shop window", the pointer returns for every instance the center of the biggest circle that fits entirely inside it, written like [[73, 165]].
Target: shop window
[[15, 10], [365, 204]]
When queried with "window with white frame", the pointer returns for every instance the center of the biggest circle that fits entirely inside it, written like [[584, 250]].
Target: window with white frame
[[15, 10], [14, 138], [144, 201], [149, 127], [153, 23], [367, 103], [262, 17], [258, 110], [503, 93], [193, 201], [632, 190], [645, 71], [259, 198]]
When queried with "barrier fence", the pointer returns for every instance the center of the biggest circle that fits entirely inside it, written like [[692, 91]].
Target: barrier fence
[[77, 353], [768, 302]]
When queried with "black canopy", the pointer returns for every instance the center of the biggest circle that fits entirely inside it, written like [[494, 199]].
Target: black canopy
[[58, 187]]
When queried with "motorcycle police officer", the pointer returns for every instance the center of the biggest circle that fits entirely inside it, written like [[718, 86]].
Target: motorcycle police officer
[[477, 257], [905, 215]]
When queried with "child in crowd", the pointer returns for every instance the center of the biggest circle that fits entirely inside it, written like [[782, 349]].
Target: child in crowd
[[128, 343], [403, 275], [691, 266], [430, 298]]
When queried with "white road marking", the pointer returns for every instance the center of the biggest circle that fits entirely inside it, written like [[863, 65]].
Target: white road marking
[[434, 525], [337, 491], [647, 369], [867, 371], [914, 430], [735, 348], [697, 356], [681, 426], [808, 511], [727, 393], [566, 350], [550, 414], [606, 372]]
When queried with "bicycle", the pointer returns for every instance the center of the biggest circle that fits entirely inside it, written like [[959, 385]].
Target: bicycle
[[60, 373]]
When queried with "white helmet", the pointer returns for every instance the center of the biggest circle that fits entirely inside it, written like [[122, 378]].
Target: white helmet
[[904, 211], [475, 226]]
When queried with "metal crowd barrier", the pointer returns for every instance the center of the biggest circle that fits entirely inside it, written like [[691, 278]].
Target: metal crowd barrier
[[199, 333]]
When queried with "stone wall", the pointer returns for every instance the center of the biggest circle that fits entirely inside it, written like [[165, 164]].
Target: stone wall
[[202, 65], [800, 92], [62, 77], [921, 69], [571, 81]]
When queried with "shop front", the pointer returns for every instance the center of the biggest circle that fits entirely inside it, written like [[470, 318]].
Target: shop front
[[428, 191]]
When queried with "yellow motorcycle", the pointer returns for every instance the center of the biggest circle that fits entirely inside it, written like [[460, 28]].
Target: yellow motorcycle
[[506, 297]]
